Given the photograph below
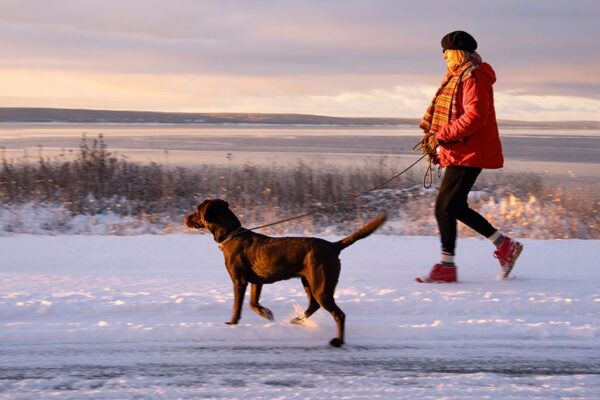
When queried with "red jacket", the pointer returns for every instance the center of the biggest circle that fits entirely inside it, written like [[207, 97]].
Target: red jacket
[[471, 138]]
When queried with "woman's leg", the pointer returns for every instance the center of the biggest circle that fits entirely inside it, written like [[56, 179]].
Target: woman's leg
[[451, 205]]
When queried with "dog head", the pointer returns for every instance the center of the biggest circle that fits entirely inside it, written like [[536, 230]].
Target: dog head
[[215, 216]]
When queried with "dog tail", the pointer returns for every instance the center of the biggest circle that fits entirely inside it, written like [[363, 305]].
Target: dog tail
[[361, 233]]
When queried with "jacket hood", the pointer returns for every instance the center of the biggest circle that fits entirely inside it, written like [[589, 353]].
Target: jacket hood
[[487, 70]]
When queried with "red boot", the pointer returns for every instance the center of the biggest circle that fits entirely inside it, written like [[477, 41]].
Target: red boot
[[507, 254], [439, 274]]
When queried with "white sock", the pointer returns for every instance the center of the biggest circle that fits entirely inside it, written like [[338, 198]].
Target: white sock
[[447, 259], [496, 238]]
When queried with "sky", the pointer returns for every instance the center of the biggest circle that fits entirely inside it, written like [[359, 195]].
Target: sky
[[375, 58]]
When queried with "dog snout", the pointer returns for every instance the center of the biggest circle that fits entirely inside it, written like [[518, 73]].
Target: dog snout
[[192, 221]]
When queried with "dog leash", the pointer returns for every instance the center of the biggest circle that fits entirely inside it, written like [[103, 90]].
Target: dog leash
[[432, 159], [239, 231]]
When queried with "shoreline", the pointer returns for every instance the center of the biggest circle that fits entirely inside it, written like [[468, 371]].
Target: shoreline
[[38, 129]]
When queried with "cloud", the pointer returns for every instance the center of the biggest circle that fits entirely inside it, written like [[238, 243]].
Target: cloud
[[546, 108], [227, 93]]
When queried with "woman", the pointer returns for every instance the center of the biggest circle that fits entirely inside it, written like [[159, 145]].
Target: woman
[[460, 124]]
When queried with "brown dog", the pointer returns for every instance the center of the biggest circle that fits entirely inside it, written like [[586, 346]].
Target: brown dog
[[258, 259]]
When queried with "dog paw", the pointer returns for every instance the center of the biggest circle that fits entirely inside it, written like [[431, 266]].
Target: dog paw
[[268, 314], [231, 323], [336, 342], [298, 320]]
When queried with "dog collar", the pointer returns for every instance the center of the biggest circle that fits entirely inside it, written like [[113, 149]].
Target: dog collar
[[223, 242]]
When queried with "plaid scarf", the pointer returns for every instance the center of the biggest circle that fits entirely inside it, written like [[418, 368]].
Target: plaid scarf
[[443, 107]]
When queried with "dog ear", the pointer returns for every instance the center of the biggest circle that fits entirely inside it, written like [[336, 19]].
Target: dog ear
[[213, 208]]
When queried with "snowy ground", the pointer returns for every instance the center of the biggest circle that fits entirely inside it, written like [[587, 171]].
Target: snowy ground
[[142, 317]]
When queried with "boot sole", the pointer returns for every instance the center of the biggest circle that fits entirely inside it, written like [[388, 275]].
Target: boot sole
[[429, 280]]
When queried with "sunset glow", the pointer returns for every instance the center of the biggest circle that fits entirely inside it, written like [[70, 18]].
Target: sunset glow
[[342, 58]]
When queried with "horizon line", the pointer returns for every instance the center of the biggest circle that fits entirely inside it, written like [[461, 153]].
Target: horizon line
[[281, 114]]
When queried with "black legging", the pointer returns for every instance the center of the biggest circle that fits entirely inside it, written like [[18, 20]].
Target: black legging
[[451, 205]]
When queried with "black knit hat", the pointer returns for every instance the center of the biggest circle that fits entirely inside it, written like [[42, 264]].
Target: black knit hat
[[459, 40]]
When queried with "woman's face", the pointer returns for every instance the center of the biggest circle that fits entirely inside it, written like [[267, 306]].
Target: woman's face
[[453, 59]]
